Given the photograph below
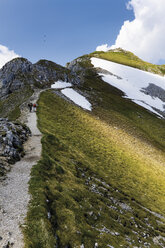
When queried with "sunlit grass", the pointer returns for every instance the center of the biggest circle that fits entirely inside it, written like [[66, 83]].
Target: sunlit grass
[[86, 164], [129, 59]]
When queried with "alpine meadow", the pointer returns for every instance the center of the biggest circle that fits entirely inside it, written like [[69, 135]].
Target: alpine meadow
[[100, 179]]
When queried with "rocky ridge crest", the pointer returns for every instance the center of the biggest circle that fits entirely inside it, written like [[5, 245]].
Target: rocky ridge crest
[[20, 72], [19, 78]]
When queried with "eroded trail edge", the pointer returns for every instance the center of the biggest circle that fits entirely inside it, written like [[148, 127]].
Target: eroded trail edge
[[14, 196]]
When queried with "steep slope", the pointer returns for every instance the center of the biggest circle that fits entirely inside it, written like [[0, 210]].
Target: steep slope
[[146, 89], [127, 58], [97, 183], [101, 179], [120, 69], [19, 78]]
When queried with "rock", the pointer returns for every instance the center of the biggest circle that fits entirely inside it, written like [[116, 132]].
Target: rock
[[20, 72], [7, 246], [154, 91], [11, 75], [80, 71], [12, 137]]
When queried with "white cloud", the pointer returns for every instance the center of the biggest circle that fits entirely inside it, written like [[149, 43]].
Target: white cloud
[[145, 34], [103, 47], [6, 55]]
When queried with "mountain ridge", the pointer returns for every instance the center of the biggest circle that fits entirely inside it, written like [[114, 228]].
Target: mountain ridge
[[100, 180]]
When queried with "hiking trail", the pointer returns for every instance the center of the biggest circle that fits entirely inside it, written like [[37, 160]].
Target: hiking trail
[[14, 196]]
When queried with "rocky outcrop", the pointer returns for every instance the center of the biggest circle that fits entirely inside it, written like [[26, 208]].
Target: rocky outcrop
[[81, 68], [47, 72], [13, 75], [12, 137], [154, 91], [20, 72]]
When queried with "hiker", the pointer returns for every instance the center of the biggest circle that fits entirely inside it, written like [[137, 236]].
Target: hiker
[[30, 105], [34, 107]]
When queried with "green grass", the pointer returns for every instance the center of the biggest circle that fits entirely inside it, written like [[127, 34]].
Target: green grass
[[9, 107], [109, 105], [91, 164], [14, 114], [129, 59]]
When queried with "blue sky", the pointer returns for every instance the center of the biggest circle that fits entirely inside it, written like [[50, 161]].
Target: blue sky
[[60, 30]]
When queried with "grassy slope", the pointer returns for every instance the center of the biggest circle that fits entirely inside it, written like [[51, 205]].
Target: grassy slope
[[129, 59], [9, 107], [91, 165], [110, 106]]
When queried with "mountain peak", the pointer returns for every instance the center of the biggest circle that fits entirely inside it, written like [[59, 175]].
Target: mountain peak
[[16, 64]]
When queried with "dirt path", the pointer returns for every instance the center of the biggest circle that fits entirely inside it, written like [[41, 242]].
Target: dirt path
[[14, 195]]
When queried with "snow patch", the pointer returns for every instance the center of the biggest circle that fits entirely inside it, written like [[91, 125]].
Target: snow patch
[[77, 98], [144, 105], [60, 85], [132, 81]]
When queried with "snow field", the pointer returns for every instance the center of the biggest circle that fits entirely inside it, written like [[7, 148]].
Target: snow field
[[132, 81], [72, 94], [60, 85], [77, 98]]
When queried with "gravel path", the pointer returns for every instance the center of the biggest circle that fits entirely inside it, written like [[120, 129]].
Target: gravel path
[[14, 195]]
